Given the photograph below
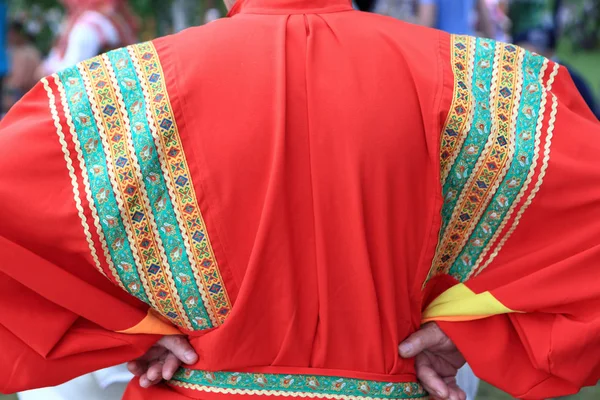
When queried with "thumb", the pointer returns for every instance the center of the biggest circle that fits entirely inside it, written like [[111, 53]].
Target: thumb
[[180, 347], [426, 337]]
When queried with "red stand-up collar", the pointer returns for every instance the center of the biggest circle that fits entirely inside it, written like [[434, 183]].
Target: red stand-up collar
[[289, 6]]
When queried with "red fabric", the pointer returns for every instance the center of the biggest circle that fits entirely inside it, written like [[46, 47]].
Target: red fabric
[[312, 135], [317, 192], [549, 270], [58, 314]]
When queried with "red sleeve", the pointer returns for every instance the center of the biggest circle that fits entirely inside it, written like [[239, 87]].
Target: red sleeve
[[519, 248], [59, 315]]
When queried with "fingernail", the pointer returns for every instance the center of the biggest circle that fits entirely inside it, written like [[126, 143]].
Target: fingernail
[[190, 356], [406, 348], [144, 382]]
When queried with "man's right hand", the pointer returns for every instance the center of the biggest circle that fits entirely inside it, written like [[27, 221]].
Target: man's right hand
[[162, 360], [437, 361]]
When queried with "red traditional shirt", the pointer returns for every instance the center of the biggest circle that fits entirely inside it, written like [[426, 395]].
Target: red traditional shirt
[[296, 188]]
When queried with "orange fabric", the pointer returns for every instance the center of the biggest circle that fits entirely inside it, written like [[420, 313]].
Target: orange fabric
[[312, 137], [153, 325], [455, 318]]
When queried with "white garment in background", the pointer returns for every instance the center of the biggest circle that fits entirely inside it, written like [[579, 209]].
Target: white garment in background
[[92, 32], [106, 384], [468, 382], [212, 14], [499, 20]]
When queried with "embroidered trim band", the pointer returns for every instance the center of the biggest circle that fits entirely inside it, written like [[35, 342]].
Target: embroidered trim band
[[295, 385], [139, 188], [72, 175], [493, 170]]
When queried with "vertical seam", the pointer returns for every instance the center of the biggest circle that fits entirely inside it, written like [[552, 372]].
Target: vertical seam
[[438, 201], [312, 190], [211, 213]]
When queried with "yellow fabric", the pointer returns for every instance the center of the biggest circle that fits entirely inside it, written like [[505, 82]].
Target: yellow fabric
[[152, 324], [459, 303]]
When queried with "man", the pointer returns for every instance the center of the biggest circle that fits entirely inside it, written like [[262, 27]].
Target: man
[[458, 17], [295, 190]]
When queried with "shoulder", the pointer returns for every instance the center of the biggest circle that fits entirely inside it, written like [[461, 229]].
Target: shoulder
[[500, 110], [100, 90], [492, 88], [481, 59]]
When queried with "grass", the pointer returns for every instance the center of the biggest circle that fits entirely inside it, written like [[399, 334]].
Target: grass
[[488, 392], [586, 63]]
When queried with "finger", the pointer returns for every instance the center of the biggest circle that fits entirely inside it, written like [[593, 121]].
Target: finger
[[433, 387], [430, 379], [145, 382], [154, 353], [460, 395], [170, 366], [137, 368], [453, 386], [180, 347], [429, 335], [155, 371]]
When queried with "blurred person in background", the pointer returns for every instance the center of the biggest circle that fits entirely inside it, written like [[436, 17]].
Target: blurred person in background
[[212, 12], [25, 61], [459, 17], [404, 10], [526, 15], [4, 59], [498, 15], [364, 5], [544, 42], [91, 27]]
